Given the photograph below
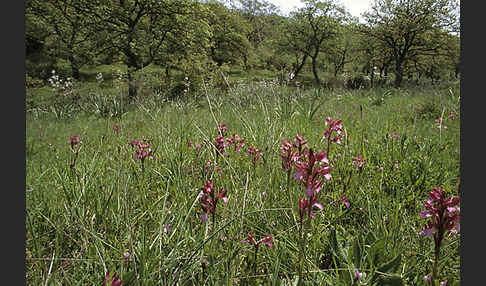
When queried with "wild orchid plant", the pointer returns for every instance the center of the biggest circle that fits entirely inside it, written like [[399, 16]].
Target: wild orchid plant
[[220, 145], [237, 142], [251, 239], [212, 165], [221, 142], [444, 215], [332, 126], [142, 151], [288, 157], [116, 129], [256, 154], [75, 145], [310, 168], [209, 200], [222, 129], [359, 162], [112, 279], [300, 143]]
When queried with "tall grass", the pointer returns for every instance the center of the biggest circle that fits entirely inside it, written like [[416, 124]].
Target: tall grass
[[109, 214]]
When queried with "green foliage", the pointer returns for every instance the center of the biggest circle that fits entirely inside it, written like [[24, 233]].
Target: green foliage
[[105, 105], [310, 28], [411, 29], [316, 45], [69, 32], [428, 109], [228, 43], [357, 82], [32, 82]]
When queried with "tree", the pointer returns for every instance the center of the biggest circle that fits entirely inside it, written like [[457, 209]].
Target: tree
[[453, 53], [287, 45], [373, 56], [312, 25], [38, 63], [256, 13], [341, 50], [443, 64], [259, 26], [408, 28], [140, 29], [63, 21], [227, 41]]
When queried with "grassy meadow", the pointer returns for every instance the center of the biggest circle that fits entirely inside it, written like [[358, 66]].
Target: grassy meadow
[[92, 207]]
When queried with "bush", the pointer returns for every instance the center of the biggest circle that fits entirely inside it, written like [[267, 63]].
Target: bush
[[41, 70], [335, 82], [357, 82], [63, 68], [31, 82], [149, 81], [428, 109]]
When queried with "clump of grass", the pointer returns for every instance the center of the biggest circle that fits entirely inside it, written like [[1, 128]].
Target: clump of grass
[[428, 109]]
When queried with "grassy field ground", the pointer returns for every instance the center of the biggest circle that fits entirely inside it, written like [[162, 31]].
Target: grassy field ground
[[98, 205]]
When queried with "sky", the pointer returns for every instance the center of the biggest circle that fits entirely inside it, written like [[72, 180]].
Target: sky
[[355, 7]]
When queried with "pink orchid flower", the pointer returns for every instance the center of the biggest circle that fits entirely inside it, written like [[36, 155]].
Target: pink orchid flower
[[251, 239]]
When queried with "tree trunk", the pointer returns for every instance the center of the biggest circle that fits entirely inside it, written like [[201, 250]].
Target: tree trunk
[[132, 89], [314, 70], [245, 62], [338, 67], [398, 74], [167, 72], [341, 64], [75, 72], [372, 77], [74, 67], [299, 68], [132, 66]]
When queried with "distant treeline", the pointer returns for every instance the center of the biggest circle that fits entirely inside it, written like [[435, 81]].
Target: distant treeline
[[400, 39]]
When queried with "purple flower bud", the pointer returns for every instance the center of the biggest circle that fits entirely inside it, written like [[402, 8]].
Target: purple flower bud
[[298, 175], [204, 217], [427, 232], [359, 275], [309, 192]]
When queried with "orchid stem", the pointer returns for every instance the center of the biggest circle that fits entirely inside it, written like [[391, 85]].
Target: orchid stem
[[255, 260], [290, 196]]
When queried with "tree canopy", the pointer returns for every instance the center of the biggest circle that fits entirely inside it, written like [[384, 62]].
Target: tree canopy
[[411, 39], [409, 28]]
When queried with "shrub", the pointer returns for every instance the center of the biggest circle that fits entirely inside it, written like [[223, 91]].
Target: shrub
[[357, 82], [335, 82], [31, 82], [428, 109]]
